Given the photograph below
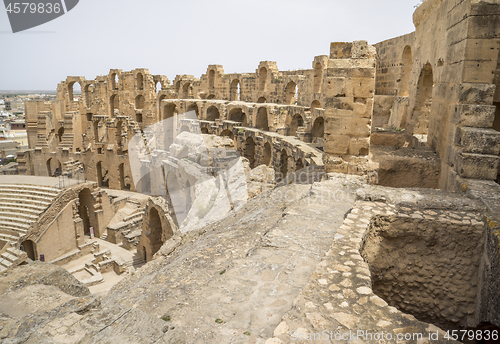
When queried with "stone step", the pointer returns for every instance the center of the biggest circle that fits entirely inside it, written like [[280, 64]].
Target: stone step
[[27, 207], [21, 209], [28, 199], [10, 238], [40, 193], [15, 222], [31, 187], [135, 216], [12, 231]]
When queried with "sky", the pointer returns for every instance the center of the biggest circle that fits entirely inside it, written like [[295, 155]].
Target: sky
[[185, 36]]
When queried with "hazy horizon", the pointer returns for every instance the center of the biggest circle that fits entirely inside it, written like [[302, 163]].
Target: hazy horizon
[[171, 38]]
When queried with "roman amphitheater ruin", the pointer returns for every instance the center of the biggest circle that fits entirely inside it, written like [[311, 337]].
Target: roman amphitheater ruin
[[358, 196]]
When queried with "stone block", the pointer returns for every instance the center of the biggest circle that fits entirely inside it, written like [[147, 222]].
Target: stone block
[[359, 146], [334, 87], [477, 166], [362, 107], [360, 87], [477, 116], [469, 93], [478, 140], [340, 50], [336, 144], [338, 125], [333, 112]]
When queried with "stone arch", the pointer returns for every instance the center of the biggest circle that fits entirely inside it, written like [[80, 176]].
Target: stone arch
[[114, 81], [187, 91], [291, 91], [49, 169], [249, 152], [211, 96], [299, 164], [155, 231], [237, 115], [139, 102], [317, 77], [169, 111], [29, 247], [423, 102], [316, 104], [262, 121], [263, 79], [158, 89], [204, 130], [185, 128], [297, 121], [72, 90], [177, 87], [227, 133], [60, 134], [58, 171], [266, 154], [114, 103], [262, 100], [212, 113], [99, 174], [140, 81], [318, 130], [89, 89], [235, 91], [404, 80], [194, 107], [96, 131], [284, 163], [211, 79], [119, 126], [124, 184], [86, 211]]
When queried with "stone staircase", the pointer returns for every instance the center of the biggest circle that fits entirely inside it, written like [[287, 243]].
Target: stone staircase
[[20, 207], [11, 257], [136, 262]]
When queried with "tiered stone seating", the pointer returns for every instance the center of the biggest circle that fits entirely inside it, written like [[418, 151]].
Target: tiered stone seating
[[20, 206], [10, 257]]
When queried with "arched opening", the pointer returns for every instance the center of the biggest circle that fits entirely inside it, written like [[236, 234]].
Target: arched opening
[[158, 87], [234, 90], [250, 151], [58, 171], [291, 90], [423, 101], [266, 154], [284, 164], [262, 122], [318, 131], [98, 168], [140, 81], [318, 77], [49, 169], [212, 113], [315, 105], [89, 90], [236, 115], [211, 79], [194, 107], [60, 134], [114, 81], [297, 121], [170, 111], [155, 231], [114, 103], [263, 79], [227, 133], [299, 164], [74, 89], [124, 183], [204, 130], [139, 102], [262, 100], [177, 87], [86, 211], [212, 96], [187, 91], [28, 246], [185, 128], [173, 197], [404, 81], [119, 133], [96, 131]]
